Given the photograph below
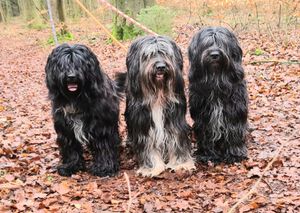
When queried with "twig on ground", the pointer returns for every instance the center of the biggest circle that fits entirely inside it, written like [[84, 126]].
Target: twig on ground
[[267, 183], [257, 18], [274, 61], [129, 192], [254, 187], [271, 33], [279, 17]]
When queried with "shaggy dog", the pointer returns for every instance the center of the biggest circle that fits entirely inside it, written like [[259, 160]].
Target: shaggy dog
[[156, 106], [85, 109], [218, 96]]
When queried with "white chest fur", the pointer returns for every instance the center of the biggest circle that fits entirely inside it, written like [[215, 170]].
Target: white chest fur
[[76, 123], [157, 133]]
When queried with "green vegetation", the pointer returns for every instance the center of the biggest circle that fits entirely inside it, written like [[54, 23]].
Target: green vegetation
[[258, 52], [2, 173], [62, 38], [49, 178], [38, 26], [157, 18], [124, 31]]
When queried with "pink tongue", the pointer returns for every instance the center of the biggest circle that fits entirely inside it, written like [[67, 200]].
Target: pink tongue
[[159, 76], [72, 87]]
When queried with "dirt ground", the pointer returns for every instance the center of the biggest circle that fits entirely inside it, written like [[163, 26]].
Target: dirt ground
[[29, 155]]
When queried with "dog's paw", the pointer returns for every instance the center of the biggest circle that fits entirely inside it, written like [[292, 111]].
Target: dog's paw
[[206, 159], [150, 172], [101, 171], [67, 172], [188, 165], [234, 159], [69, 168]]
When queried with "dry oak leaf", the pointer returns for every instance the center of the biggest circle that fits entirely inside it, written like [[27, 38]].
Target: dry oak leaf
[[62, 188]]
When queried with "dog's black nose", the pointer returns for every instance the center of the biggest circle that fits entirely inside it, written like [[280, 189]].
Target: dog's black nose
[[161, 66], [215, 54], [71, 76]]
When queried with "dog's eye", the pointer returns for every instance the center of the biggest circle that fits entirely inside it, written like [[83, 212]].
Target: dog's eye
[[144, 57]]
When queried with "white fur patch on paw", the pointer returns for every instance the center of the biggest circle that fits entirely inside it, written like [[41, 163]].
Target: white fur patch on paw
[[150, 172], [188, 165]]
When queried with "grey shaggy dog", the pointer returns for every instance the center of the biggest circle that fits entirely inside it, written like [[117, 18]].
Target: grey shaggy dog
[[218, 95], [156, 106]]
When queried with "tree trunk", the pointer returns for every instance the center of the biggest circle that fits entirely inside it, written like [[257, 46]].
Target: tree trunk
[[15, 10], [121, 29], [149, 3], [22, 8], [29, 10], [60, 11], [61, 17], [2, 15], [134, 6], [5, 10], [118, 21]]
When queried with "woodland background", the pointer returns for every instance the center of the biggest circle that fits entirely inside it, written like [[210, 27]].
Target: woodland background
[[269, 34]]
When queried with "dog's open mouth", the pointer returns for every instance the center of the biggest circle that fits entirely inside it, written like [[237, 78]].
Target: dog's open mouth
[[72, 87], [159, 76]]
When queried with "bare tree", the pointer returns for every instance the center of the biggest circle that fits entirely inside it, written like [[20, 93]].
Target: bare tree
[[61, 17]]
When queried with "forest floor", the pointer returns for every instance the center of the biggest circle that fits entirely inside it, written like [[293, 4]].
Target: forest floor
[[29, 155]]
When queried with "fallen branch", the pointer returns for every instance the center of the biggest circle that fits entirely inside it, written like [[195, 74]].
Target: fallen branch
[[129, 192], [254, 187], [274, 61]]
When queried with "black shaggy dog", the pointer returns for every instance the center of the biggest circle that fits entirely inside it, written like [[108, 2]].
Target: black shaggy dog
[[85, 109], [156, 106], [218, 95]]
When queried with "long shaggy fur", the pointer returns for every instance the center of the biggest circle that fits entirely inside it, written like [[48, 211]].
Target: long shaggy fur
[[156, 106], [85, 109], [218, 96]]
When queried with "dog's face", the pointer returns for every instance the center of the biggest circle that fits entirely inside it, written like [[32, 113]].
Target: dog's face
[[71, 81], [215, 48], [154, 62], [69, 68], [156, 69], [214, 57]]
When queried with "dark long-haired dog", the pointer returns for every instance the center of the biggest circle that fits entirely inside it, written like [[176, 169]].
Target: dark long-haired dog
[[218, 95], [85, 109], [156, 106]]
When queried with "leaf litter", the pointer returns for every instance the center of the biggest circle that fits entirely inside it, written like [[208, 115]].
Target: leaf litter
[[29, 155]]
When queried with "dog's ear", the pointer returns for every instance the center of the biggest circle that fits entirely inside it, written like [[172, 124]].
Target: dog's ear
[[50, 70], [192, 49], [121, 82], [179, 63], [238, 52], [132, 59], [178, 55], [234, 45], [133, 65]]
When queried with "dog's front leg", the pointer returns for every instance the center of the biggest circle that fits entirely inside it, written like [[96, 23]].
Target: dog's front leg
[[105, 151], [70, 149], [142, 137]]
